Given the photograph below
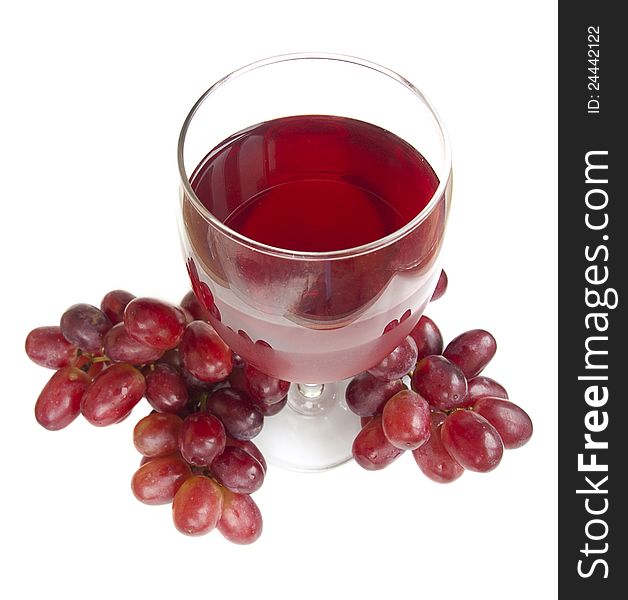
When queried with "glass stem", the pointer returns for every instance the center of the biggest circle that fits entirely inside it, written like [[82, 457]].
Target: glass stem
[[311, 390], [312, 399]]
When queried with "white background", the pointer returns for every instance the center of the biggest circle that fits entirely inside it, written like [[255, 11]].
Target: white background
[[94, 95]]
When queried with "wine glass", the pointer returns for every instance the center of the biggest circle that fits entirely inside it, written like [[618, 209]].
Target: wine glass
[[314, 196]]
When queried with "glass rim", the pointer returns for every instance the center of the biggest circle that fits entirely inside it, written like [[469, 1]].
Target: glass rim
[[334, 254]]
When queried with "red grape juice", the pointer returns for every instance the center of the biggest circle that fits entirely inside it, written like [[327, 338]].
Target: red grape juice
[[311, 184]]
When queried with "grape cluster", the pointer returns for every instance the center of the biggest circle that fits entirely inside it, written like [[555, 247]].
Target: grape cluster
[[208, 404], [450, 417]]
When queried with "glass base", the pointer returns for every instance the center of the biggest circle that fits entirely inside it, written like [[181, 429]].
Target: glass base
[[311, 433]]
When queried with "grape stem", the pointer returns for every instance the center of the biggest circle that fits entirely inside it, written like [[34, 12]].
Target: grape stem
[[203, 402]]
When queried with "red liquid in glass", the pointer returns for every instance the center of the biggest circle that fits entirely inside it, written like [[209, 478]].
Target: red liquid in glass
[[314, 184]]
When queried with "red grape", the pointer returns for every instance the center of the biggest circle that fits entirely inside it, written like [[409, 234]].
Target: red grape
[[60, 401], [241, 519], [201, 439], [146, 459], [193, 405], [194, 307], [84, 326], [406, 420], [481, 387], [114, 303], [188, 315], [119, 346], [157, 434], [251, 448], [269, 410], [428, 338], [437, 418], [165, 388], [364, 421], [440, 382], [371, 449], [471, 351], [237, 360], [262, 388], [113, 394], [512, 423], [472, 441], [204, 354], [366, 394], [241, 419], [441, 286], [397, 364], [195, 385], [173, 358], [237, 470], [433, 458], [47, 347], [154, 323], [158, 480], [197, 505]]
